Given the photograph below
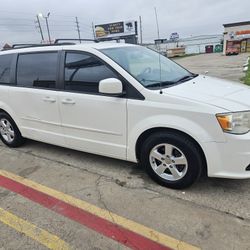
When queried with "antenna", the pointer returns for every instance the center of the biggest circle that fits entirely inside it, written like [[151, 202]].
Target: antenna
[[157, 23], [158, 45]]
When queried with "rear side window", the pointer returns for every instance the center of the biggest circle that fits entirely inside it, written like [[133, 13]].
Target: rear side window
[[5, 65], [83, 72], [37, 70]]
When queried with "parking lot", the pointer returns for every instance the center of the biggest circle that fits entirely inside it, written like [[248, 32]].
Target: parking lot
[[63, 199], [227, 67]]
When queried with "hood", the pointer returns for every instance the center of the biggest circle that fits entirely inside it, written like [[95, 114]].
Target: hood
[[225, 94]]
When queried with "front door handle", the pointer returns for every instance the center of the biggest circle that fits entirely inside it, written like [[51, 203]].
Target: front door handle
[[49, 99], [68, 101]]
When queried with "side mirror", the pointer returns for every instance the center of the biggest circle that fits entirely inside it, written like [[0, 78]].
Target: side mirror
[[110, 86]]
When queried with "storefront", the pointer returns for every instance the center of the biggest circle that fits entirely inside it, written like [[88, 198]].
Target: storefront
[[237, 37]]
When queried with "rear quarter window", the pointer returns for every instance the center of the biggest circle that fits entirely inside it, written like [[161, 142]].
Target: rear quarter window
[[5, 66]]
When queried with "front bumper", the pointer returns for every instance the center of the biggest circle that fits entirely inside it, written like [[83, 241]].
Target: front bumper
[[228, 159]]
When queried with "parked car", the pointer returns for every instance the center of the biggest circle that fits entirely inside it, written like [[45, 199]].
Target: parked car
[[232, 51], [126, 102]]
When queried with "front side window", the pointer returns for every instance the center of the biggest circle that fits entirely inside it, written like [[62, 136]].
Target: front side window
[[37, 70], [150, 68], [83, 72], [5, 65]]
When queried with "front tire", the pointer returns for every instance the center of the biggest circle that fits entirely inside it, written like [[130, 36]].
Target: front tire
[[171, 159], [9, 132]]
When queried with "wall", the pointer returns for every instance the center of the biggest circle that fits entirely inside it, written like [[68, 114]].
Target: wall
[[193, 45]]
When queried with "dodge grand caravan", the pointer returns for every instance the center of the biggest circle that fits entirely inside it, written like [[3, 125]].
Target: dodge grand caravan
[[126, 102]]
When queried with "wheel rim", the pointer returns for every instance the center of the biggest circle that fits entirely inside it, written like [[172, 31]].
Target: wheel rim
[[168, 162], [6, 130]]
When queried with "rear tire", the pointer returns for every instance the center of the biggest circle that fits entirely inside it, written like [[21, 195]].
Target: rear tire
[[171, 159], [9, 132]]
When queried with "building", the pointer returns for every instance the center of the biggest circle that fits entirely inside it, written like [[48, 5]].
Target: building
[[237, 36], [192, 45]]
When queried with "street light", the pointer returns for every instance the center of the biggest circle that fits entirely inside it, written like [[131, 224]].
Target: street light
[[40, 27], [47, 23]]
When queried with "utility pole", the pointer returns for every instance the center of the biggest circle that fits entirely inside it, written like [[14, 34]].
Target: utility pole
[[40, 27], [157, 23], [78, 29], [93, 30], [140, 23], [47, 24]]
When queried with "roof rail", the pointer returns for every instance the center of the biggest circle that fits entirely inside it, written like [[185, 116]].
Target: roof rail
[[56, 43], [28, 45], [76, 39]]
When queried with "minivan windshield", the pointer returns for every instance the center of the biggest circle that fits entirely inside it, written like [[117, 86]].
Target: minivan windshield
[[150, 68]]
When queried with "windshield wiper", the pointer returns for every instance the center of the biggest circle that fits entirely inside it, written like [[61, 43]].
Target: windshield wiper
[[186, 78], [159, 84], [168, 83]]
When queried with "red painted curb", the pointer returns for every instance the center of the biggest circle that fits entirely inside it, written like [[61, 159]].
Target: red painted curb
[[102, 226]]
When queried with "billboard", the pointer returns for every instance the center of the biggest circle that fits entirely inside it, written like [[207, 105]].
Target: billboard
[[174, 36], [118, 29]]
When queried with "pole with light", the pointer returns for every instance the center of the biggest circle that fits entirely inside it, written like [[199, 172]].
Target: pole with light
[[40, 28], [47, 23]]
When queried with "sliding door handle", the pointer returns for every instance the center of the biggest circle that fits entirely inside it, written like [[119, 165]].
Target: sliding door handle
[[49, 99], [68, 101]]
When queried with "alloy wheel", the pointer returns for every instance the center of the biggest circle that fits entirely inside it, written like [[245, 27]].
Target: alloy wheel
[[6, 130], [168, 162]]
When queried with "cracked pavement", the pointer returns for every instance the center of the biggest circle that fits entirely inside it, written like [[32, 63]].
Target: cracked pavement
[[212, 214]]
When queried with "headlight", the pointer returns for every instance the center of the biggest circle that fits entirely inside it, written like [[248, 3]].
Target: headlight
[[235, 123]]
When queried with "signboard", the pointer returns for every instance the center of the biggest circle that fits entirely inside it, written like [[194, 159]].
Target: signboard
[[111, 30], [239, 35], [243, 32], [174, 36]]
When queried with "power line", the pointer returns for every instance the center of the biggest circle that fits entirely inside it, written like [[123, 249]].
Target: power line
[[60, 24], [15, 18], [56, 22], [32, 30], [17, 25]]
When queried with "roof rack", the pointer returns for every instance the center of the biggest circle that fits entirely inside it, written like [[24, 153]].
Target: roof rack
[[77, 39], [56, 43], [28, 45]]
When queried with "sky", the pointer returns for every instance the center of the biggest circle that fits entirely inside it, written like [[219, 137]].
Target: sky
[[187, 17]]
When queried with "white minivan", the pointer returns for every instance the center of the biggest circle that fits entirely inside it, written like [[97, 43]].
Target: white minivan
[[126, 102]]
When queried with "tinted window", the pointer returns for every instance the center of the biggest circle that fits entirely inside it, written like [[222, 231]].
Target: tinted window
[[37, 70], [5, 65], [83, 72]]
